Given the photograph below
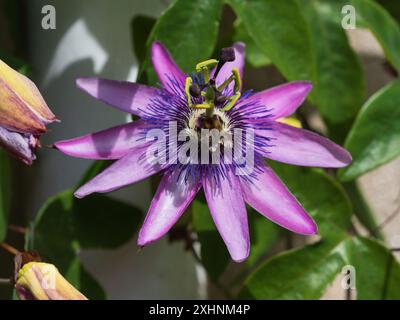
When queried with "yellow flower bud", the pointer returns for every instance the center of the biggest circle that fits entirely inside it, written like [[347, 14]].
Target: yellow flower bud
[[23, 114], [42, 281]]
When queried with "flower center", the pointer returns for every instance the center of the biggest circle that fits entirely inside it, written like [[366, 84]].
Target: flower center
[[207, 94], [204, 122], [199, 120]]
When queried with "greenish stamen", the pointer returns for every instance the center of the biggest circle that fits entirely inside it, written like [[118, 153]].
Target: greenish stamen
[[213, 95], [205, 67]]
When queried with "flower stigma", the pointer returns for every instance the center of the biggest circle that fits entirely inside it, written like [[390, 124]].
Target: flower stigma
[[208, 95]]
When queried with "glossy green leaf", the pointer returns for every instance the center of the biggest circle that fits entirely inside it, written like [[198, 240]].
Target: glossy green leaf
[[313, 46], [303, 273], [377, 270], [84, 281], [255, 56], [383, 26], [141, 29], [286, 44], [362, 210], [94, 222], [52, 234], [391, 6], [337, 73], [65, 224], [4, 193], [15, 63], [375, 136], [102, 222], [319, 194], [189, 30], [214, 254], [370, 14], [263, 235]]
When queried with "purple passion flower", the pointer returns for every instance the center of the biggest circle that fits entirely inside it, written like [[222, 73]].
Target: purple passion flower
[[208, 99], [23, 114]]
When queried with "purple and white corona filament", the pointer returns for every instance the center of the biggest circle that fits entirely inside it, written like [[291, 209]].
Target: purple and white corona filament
[[211, 98]]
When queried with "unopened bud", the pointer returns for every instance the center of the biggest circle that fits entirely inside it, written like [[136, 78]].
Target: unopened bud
[[42, 281], [23, 114]]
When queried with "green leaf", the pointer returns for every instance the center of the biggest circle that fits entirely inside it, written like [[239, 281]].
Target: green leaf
[[102, 222], [391, 6], [214, 254], [65, 224], [377, 270], [321, 196], [52, 234], [263, 235], [370, 14], [286, 44], [337, 73], [383, 26], [313, 46], [94, 222], [255, 56], [4, 193], [297, 274], [15, 63], [305, 273], [189, 31], [362, 210], [141, 29], [375, 136], [83, 281]]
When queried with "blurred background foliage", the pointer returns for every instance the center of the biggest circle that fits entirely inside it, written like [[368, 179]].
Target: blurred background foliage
[[301, 39]]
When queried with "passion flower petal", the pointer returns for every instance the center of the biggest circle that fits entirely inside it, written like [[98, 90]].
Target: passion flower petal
[[269, 196], [280, 101], [173, 196], [108, 144], [130, 169], [165, 67], [126, 96], [303, 148], [228, 211]]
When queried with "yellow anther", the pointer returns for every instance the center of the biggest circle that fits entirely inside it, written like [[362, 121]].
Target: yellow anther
[[208, 64], [238, 80], [205, 67], [231, 102], [235, 76], [188, 83]]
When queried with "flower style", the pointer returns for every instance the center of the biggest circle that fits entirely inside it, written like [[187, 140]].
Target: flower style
[[23, 114], [210, 98]]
